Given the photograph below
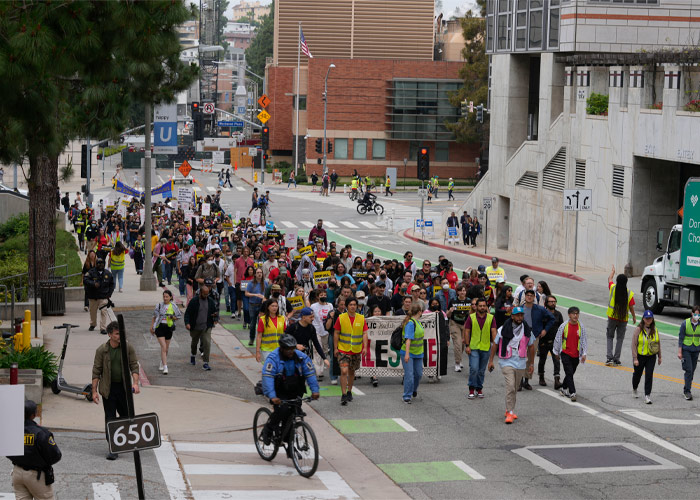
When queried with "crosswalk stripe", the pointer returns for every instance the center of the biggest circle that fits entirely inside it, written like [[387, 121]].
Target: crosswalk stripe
[[210, 188], [238, 470], [348, 224], [368, 224], [240, 188], [331, 225], [288, 224], [227, 189], [9, 496], [106, 491], [306, 223]]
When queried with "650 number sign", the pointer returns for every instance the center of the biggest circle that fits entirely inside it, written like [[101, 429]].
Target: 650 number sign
[[133, 434]]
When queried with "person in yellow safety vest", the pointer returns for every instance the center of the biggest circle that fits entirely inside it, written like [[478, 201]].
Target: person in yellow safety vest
[[353, 185], [368, 183], [646, 350], [349, 339], [271, 326], [689, 348], [80, 229], [571, 345], [620, 303], [479, 332], [494, 272], [412, 352], [436, 186], [450, 188], [116, 263], [387, 186]]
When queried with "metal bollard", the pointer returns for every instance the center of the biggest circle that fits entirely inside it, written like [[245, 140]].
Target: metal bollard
[[345, 189], [26, 335]]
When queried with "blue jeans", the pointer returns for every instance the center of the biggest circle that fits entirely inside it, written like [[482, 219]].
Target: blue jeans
[[689, 363], [227, 296], [412, 373], [231, 298], [181, 284], [254, 311], [290, 181], [168, 272], [119, 277], [477, 367], [246, 309]]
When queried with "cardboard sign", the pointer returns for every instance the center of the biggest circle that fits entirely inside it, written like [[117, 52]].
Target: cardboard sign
[[297, 302], [255, 217], [206, 209], [274, 234], [184, 196], [142, 214], [290, 239], [322, 277], [227, 225], [358, 274], [307, 250]]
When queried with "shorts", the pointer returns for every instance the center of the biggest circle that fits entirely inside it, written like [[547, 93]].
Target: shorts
[[350, 360], [164, 331]]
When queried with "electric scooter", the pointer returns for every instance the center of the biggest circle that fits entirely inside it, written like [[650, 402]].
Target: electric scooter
[[59, 384]]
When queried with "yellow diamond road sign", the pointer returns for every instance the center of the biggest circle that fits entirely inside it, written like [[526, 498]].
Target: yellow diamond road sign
[[263, 116]]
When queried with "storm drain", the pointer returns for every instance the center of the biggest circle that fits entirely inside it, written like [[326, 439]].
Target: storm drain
[[594, 457]]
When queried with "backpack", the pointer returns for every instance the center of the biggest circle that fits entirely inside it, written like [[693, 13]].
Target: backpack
[[397, 338]]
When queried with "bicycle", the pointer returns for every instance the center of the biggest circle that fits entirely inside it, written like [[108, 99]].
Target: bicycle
[[299, 434], [363, 208]]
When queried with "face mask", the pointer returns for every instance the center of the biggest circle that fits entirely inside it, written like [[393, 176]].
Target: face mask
[[362, 301], [434, 308], [275, 294], [322, 299], [403, 290], [210, 261], [696, 317], [445, 287]]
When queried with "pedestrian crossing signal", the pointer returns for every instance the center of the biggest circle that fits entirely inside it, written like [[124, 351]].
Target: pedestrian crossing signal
[[424, 164]]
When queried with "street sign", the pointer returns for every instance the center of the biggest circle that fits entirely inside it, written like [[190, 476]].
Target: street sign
[[133, 434], [452, 231], [578, 200], [263, 116], [165, 129], [422, 192], [208, 108], [471, 106], [264, 101], [229, 124], [185, 168], [487, 203], [252, 151]]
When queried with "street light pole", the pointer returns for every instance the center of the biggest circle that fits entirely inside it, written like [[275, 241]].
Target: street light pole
[[148, 281], [325, 116]]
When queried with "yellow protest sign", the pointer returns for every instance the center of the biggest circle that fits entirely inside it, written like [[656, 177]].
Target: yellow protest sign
[[227, 225], [297, 302], [307, 250], [322, 277]]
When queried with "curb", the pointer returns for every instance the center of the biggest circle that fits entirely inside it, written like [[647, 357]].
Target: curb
[[554, 272]]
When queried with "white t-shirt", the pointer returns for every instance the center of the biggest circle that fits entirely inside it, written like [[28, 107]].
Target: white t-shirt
[[321, 312]]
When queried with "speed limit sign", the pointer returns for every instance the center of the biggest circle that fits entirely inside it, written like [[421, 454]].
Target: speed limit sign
[[133, 434]]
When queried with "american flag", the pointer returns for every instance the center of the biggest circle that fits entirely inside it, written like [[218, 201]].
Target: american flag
[[304, 47]]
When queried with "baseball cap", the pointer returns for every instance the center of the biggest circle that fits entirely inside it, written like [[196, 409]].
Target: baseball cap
[[306, 311], [494, 259], [360, 295], [518, 310], [481, 268], [381, 284], [648, 314], [275, 287]]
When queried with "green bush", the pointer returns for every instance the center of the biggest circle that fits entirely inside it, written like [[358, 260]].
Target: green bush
[[109, 151], [18, 224], [597, 104], [34, 358]]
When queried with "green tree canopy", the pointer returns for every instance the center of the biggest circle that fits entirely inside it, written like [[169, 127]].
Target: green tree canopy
[[262, 45]]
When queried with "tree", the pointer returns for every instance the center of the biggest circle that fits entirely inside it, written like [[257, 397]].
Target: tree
[[221, 7], [262, 45], [71, 69], [475, 73]]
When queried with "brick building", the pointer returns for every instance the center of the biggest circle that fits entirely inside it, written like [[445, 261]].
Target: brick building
[[387, 97]]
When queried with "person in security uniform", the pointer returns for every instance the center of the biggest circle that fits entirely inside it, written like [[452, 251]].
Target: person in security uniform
[[286, 371], [32, 475]]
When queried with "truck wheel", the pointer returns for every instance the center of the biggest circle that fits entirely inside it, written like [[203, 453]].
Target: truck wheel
[[651, 297]]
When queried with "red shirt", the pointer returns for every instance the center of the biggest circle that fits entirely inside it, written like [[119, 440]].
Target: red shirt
[[240, 265], [261, 325], [571, 341]]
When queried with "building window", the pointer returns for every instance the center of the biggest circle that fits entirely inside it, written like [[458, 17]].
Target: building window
[[420, 109], [489, 25], [378, 149], [413, 150], [359, 149], [535, 28], [521, 24], [302, 102], [442, 151], [340, 149], [643, 2], [553, 41]]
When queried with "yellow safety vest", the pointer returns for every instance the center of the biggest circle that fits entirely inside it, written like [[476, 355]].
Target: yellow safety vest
[[169, 311], [271, 334], [116, 262], [494, 274], [565, 335], [611, 304], [692, 337], [481, 336], [350, 337], [388, 182], [644, 340], [353, 184]]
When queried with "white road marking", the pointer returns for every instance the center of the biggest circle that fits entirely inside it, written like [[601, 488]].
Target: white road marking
[[227, 189], [210, 188], [348, 224], [404, 424], [162, 182], [105, 491], [240, 188], [7, 496], [658, 420], [306, 223], [368, 224], [172, 473], [288, 224], [215, 447], [330, 224], [472, 473], [238, 470], [625, 425]]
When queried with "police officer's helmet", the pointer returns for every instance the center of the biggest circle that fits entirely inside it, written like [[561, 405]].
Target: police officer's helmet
[[287, 340]]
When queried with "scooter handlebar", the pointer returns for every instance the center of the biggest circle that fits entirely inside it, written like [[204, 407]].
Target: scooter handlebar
[[65, 325]]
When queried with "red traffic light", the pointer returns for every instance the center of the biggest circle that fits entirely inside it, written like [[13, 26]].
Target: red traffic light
[[424, 151], [195, 105], [265, 130]]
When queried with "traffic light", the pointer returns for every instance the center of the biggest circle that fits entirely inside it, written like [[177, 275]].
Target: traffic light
[[83, 161], [465, 108], [480, 113], [198, 132], [423, 164], [329, 147], [266, 156], [265, 138], [319, 145], [195, 108]]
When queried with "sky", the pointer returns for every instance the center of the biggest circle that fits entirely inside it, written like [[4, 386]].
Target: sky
[[448, 6]]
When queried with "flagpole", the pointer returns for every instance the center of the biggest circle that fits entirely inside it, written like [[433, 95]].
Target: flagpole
[[296, 135]]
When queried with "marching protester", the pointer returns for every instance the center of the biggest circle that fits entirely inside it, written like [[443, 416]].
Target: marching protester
[[163, 326], [200, 317], [479, 332], [571, 345], [270, 327], [412, 353], [646, 352], [689, 348], [116, 263], [620, 306], [546, 343], [349, 343], [457, 312]]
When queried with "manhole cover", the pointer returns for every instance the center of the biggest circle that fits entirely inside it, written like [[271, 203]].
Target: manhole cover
[[593, 457]]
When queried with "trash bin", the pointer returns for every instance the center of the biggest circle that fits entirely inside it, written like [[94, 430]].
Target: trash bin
[[53, 297]]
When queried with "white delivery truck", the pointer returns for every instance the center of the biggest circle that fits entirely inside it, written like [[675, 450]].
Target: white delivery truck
[[673, 279]]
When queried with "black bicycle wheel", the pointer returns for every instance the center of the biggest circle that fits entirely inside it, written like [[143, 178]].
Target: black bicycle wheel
[[361, 209], [266, 451], [304, 449], [378, 209]]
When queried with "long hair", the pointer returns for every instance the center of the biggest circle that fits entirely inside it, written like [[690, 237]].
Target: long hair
[[620, 296], [652, 326], [415, 309], [266, 311], [118, 248]]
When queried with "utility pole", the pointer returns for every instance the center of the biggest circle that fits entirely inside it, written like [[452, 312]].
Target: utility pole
[[148, 281]]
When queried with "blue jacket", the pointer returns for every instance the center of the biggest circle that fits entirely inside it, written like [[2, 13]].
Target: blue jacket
[[441, 298], [542, 319], [274, 364]]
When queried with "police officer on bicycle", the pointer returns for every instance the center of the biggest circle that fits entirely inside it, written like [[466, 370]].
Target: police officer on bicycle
[[286, 372]]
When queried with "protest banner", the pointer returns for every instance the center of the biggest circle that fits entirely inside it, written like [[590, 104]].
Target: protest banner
[[227, 225], [122, 210], [206, 209], [322, 277], [189, 213], [358, 274], [297, 302], [382, 361]]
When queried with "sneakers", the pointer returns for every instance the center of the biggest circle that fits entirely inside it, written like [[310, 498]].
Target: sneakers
[[509, 418], [375, 382], [415, 394], [480, 394], [515, 417], [573, 397], [344, 400], [647, 399], [458, 368], [688, 396], [608, 362], [251, 343], [616, 362], [103, 332], [526, 384], [165, 370], [564, 392], [193, 360], [86, 308], [206, 367], [471, 394], [407, 401], [92, 328], [348, 396], [634, 393], [334, 381], [160, 367]]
